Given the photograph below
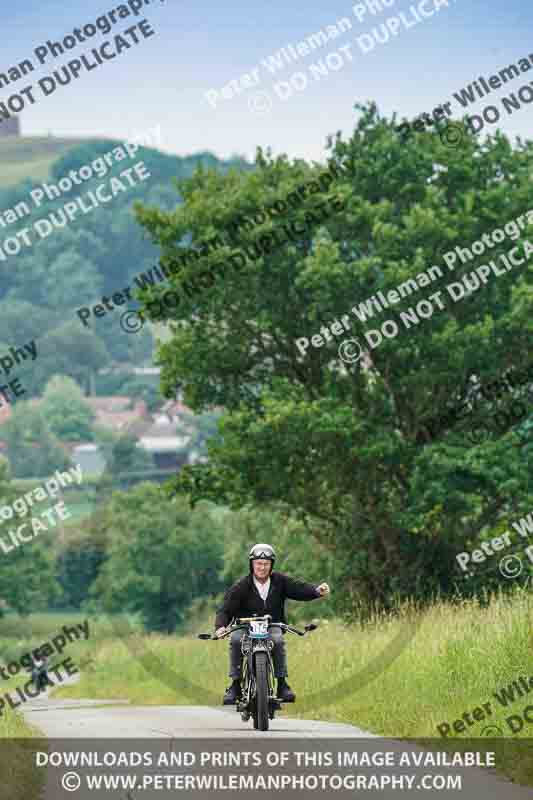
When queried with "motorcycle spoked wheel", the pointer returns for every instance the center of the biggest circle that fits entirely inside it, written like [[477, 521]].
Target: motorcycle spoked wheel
[[261, 714]]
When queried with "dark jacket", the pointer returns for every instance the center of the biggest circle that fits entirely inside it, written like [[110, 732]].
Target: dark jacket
[[243, 600]]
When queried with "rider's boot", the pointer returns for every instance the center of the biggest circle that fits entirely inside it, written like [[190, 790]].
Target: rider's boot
[[285, 692], [233, 693]]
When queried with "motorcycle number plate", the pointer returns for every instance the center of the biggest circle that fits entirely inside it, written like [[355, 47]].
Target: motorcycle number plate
[[259, 630]]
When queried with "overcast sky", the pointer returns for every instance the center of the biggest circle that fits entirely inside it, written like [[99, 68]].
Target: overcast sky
[[203, 46]]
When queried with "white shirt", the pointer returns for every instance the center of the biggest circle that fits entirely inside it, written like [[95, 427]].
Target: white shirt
[[262, 588]]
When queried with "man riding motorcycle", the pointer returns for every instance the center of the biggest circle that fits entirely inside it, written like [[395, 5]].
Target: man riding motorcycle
[[39, 672], [262, 592]]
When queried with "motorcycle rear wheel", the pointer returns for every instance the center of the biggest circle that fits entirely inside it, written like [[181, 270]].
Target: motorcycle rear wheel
[[261, 696]]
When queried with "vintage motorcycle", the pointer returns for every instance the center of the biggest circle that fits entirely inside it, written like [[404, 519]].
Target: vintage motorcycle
[[39, 674], [258, 695]]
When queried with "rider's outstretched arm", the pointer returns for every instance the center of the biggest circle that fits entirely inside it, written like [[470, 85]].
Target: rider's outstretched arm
[[299, 590]]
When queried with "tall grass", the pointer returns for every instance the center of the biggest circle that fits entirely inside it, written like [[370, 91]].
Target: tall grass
[[19, 636], [21, 779], [400, 675], [456, 657]]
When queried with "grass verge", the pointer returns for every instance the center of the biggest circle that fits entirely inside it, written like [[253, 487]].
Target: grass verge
[[21, 778], [459, 657]]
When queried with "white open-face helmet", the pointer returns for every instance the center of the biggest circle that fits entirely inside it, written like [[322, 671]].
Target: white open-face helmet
[[262, 551]]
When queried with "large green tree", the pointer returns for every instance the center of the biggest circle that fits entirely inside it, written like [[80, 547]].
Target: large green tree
[[68, 349], [26, 572], [32, 449], [160, 557], [347, 444], [125, 455], [79, 558], [20, 321], [66, 411]]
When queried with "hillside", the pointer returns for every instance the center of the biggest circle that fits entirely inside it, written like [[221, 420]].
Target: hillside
[[98, 253], [31, 157]]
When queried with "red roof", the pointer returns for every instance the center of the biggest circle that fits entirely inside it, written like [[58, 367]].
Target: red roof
[[113, 412]]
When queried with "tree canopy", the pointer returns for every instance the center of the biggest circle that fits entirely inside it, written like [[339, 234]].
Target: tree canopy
[[346, 444], [26, 573], [75, 265], [159, 557], [66, 411], [32, 448]]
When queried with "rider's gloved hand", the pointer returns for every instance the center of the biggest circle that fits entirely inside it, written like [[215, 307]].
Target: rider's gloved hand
[[323, 589], [220, 631]]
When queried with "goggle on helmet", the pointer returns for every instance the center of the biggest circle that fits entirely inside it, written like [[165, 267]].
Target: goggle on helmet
[[262, 551]]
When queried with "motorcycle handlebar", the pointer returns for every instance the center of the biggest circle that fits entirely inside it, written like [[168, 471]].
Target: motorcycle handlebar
[[308, 628]]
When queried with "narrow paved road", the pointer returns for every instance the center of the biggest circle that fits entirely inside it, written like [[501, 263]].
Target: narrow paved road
[[95, 719], [88, 719]]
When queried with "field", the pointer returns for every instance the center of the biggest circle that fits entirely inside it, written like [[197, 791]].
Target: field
[[20, 778], [451, 659], [31, 156], [447, 660]]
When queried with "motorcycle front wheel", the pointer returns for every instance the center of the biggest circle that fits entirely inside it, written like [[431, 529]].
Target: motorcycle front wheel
[[261, 695]]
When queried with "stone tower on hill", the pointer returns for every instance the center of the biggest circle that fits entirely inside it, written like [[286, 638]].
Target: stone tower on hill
[[10, 127]]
